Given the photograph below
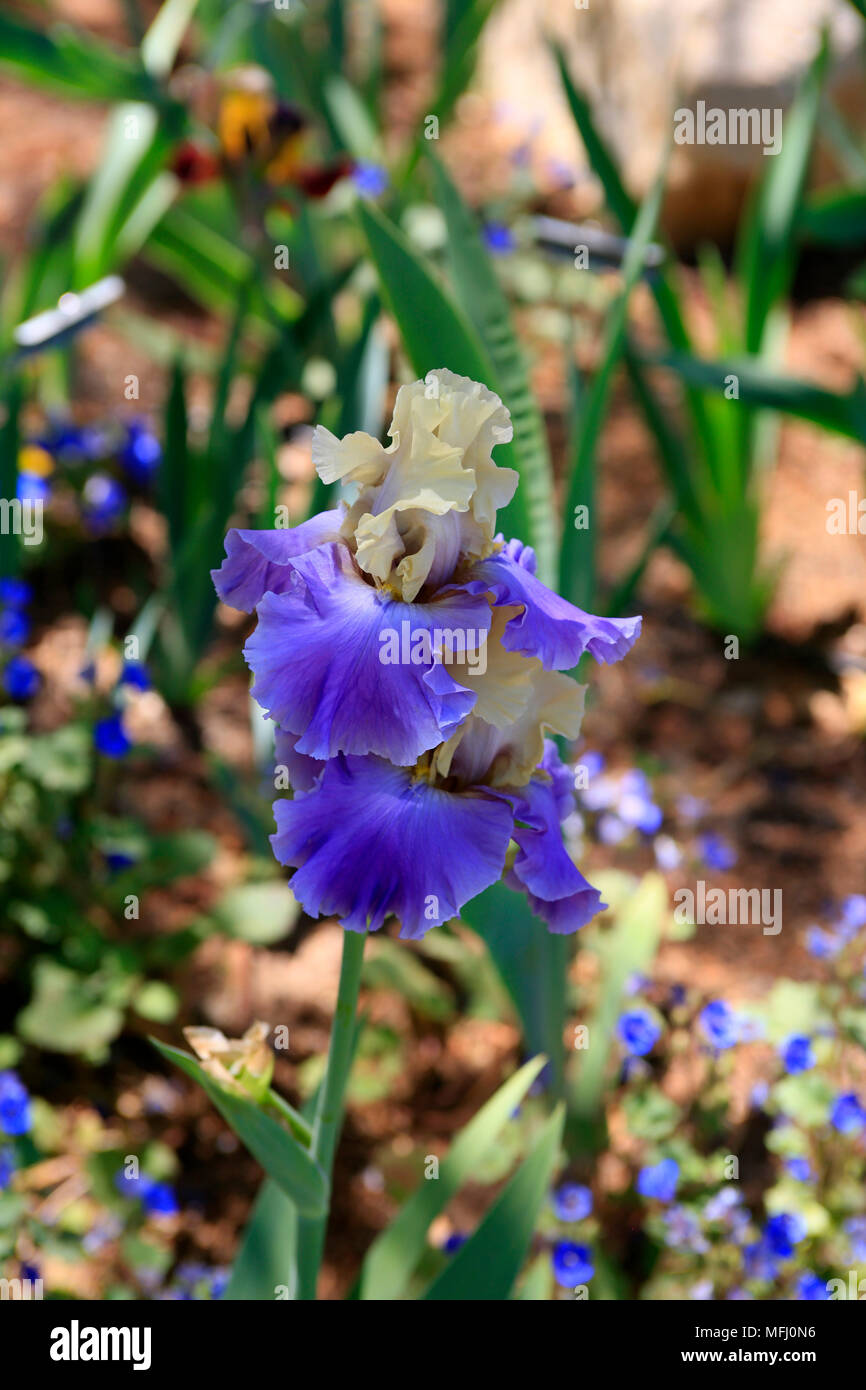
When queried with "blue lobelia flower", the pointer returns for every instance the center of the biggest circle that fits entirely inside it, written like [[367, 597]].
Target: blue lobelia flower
[[797, 1054], [799, 1168], [14, 627], [14, 1104], [847, 1114], [782, 1232], [571, 1201], [7, 1168], [135, 675], [812, 1289], [716, 852], [103, 501], [638, 1032], [720, 1025], [110, 738], [855, 1227], [498, 238], [20, 678], [16, 593], [413, 663], [572, 1264], [141, 454], [158, 1199], [759, 1262], [659, 1180], [371, 180]]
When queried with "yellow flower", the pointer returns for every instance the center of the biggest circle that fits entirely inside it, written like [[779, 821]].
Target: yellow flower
[[244, 115], [429, 500], [35, 461]]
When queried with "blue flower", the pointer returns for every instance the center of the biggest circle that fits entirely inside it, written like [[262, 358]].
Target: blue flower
[[31, 488], [116, 860], [720, 1025], [799, 1168], [683, 1232], [142, 453], [716, 852], [17, 593], [7, 1168], [159, 1199], [572, 1264], [821, 944], [638, 1032], [855, 1227], [454, 1242], [413, 664], [854, 912], [135, 675], [14, 1104], [110, 738], [847, 1114], [636, 806], [74, 445], [14, 627], [782, 1232], [722, 1205], [571, 1201], [812, 1289], [759, 1262], [668, 854], [104, 500], [129, 1185], [797, 1054], [659, 1180], [371, 180], [20, 678], [592, 763], [498, 238]]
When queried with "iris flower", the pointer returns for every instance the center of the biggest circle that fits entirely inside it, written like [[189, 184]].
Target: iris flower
[[414, 664]]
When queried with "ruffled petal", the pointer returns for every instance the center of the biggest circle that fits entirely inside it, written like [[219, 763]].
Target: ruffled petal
[[430, 498], [557, 891], [502, 742], [303, 772], [550, 628], [256, 562], [368, 842], [323, 656]]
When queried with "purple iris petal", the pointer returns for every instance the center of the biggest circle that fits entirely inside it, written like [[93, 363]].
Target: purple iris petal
[[303, 772], [549, 627], [369, 841], [256, 562], [557, 891], [317, 659]]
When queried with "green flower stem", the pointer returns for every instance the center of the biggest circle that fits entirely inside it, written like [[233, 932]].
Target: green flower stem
[[329, 1109]]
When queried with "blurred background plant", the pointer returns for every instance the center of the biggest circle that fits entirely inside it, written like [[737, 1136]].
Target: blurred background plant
[[288, 212]]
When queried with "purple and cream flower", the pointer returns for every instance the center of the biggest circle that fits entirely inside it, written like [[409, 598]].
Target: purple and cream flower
[[414, 664]]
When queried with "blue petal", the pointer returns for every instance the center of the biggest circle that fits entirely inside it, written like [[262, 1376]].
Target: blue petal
[[316, 655], [303, 772], [368, 841], [256, 562], [549, 627], [557, 891]]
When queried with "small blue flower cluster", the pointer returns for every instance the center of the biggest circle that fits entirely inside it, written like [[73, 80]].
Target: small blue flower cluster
[[133, 448], [21, 679]]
